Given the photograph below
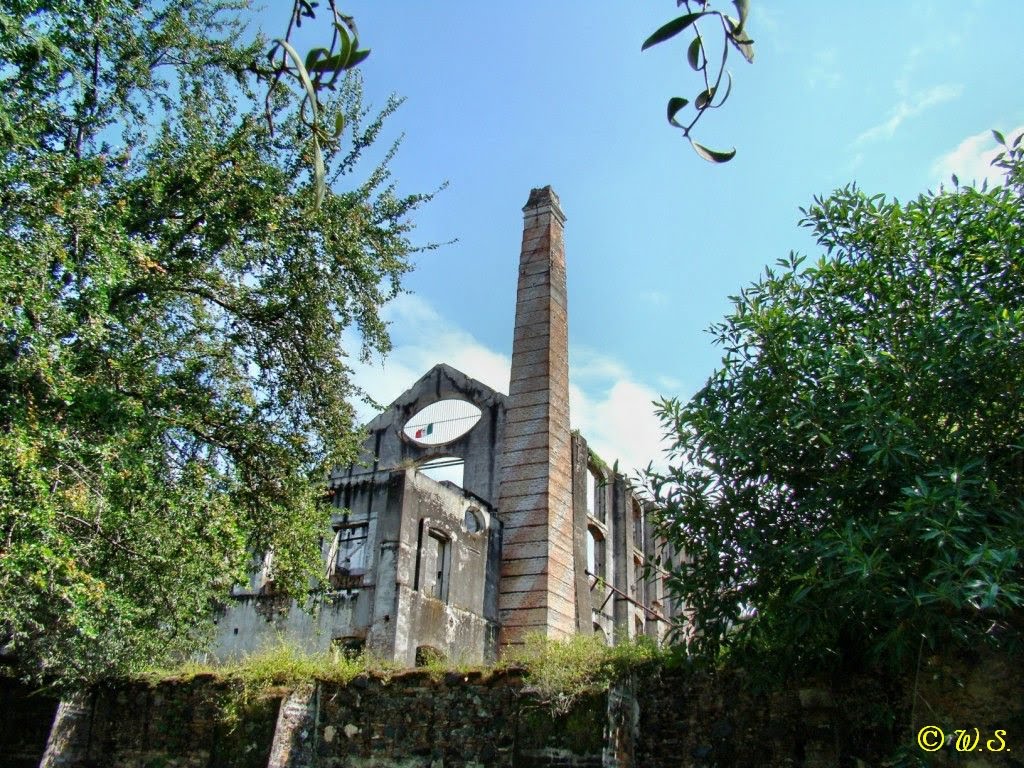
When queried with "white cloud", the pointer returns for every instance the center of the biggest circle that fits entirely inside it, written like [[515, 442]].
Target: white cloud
[[619, 424], [824, 70], [655, 298], [606, 402], [906, 109], [421, 339], [589, 365], [971, 161]]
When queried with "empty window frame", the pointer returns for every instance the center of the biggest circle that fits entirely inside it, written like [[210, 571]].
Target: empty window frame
[[641, 582], [595, 495], [435, 564], [348, 558], [638, 525], [595, 552]]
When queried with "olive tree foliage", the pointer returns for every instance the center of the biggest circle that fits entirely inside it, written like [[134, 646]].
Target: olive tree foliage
[[849, 485], [707, 54], [173, 386]]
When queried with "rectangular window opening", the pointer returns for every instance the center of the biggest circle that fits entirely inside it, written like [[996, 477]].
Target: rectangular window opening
[[435, 565], [347, 560]]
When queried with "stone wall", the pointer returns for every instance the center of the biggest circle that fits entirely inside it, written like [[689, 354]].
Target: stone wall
[[654, 719], [25, 718], [410, 720]]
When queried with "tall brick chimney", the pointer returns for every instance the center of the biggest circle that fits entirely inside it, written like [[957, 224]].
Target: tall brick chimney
[[537, 592]]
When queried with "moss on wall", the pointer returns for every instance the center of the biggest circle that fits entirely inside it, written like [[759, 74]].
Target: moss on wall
[[430, 718]]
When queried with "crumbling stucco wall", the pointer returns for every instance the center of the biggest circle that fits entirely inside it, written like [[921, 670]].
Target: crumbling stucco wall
[[396, 602]]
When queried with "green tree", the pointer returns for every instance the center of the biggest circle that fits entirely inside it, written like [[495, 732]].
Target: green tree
[[848, 486], [172, 302]]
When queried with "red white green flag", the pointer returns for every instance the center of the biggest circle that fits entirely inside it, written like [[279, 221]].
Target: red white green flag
[[424, 431]]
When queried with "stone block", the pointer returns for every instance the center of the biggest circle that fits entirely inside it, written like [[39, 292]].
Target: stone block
[[539, 412], [518, 456], [524, 567], [538, 382], [540, 297], [535, 427], [522, 619], [537, 329], [542, 358], [512, 504], [533, 398], [535, 597], [515, 537], [533, 280], [526, 472], [535, 264], [523, 583], [528, 316], [524, 551], [531, 343]]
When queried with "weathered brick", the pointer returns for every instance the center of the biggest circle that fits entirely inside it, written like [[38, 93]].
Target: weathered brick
[[537, 383], [536, 466], [530, 315]]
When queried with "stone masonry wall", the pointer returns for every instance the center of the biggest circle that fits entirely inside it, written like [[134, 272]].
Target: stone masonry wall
[[658, 718]]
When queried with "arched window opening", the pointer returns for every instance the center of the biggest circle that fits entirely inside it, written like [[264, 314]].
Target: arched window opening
[[638, 525]]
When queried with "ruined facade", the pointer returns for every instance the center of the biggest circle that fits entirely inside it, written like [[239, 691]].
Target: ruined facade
[[537, 535]]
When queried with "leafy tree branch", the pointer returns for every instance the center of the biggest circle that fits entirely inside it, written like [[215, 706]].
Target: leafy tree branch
[[849, 484], [173, 297], [734, 35]]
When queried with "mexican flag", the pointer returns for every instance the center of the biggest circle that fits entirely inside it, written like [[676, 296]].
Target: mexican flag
[[424, 431]]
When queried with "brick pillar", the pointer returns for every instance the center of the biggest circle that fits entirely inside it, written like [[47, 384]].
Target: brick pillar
[[535, 497]]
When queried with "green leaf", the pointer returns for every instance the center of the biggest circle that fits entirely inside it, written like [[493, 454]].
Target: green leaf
[[728, 89], [712, 155], [358, 57], [999, 137], [674, 105], [743, 9], [303, 75], [313, 56], [745, 46], [339, 124], [693, 54], [671, 29], [319, 172], [704, 98], [346, 45], [330, 64]]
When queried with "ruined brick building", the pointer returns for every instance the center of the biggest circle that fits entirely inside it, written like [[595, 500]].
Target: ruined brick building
[[538, 536]]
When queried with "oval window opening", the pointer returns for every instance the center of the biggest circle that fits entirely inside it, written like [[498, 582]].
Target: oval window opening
[[442, 422]]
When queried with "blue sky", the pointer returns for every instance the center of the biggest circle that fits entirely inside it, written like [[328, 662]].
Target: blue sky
[[504, 97]]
